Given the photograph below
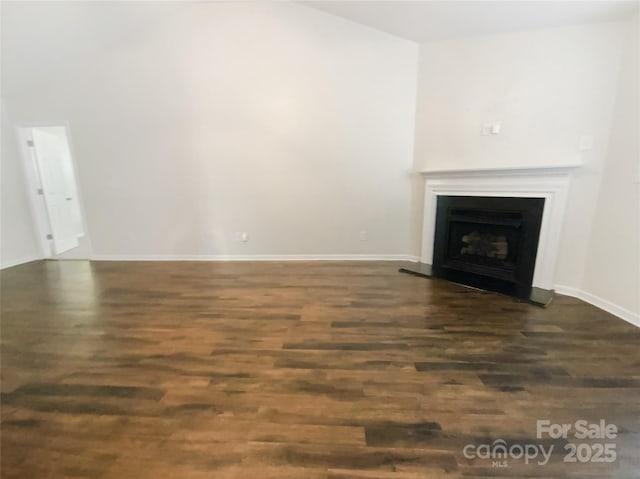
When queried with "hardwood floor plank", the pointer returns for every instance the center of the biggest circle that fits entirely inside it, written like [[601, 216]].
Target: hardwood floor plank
[[304, 370]]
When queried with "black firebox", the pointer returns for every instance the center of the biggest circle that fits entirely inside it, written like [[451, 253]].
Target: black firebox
[[488, 242]]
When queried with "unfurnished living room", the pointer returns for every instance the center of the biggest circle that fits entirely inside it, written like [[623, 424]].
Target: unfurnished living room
[[320, 239]]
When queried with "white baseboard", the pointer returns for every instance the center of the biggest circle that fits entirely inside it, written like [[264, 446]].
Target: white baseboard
[[16, 261], [259, 257], [597, 301]]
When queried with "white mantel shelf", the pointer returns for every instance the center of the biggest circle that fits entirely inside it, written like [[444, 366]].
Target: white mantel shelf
[[504, 171]]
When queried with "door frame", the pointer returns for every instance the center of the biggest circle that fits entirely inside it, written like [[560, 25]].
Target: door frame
[[32, 183]]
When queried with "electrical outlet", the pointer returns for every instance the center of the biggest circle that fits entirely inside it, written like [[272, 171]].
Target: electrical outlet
[[492, 128], [242, 236], [363, 235]]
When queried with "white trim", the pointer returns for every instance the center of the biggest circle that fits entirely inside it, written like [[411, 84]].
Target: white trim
[[505, 171], [39, 214], [257, 257], [604, 304], [550, 183], [17, 261]]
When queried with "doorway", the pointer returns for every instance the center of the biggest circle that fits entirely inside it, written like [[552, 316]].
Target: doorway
[[53, 187]]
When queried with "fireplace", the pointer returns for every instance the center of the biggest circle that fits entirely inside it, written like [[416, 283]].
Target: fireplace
[[511, 247], [488, 242]]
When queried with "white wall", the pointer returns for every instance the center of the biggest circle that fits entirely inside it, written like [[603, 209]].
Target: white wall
[[18, 238], [208, 119], [613, 257], [548, 88]]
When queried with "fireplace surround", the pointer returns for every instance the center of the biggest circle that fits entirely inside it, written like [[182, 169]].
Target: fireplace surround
[[549, 184]]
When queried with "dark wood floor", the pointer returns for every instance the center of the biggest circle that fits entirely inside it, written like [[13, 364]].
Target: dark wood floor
[[297, 370]]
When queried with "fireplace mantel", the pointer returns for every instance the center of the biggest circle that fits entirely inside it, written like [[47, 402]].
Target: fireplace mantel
[[548, 182], [504, 171]]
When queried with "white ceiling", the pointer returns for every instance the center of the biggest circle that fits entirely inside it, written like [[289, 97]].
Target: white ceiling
[[431, 20]]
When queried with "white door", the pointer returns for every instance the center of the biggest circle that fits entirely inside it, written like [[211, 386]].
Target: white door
[[57, 180]]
